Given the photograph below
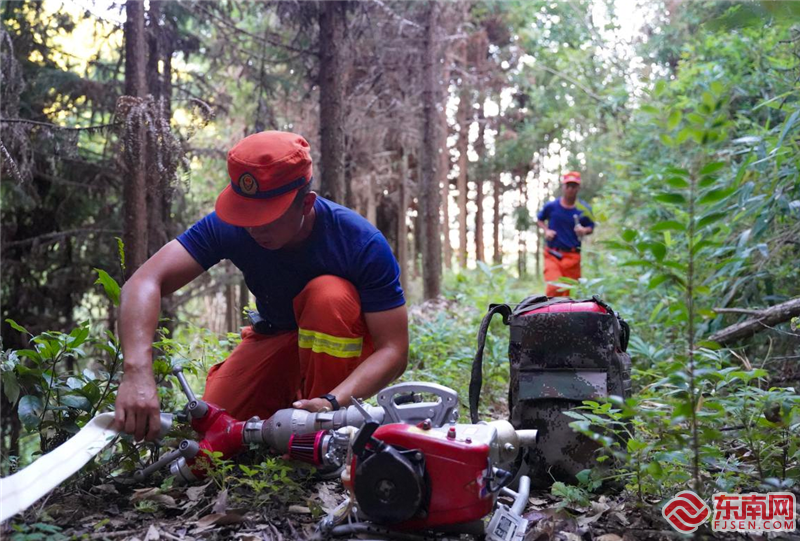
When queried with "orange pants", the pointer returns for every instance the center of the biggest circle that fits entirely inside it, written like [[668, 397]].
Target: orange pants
[[267, 373], [569, 266]]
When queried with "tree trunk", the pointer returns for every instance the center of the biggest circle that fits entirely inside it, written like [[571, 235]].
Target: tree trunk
[[156, 185], [540, 243], [371, 207], [497, 193], [402, 230], [244, 298], [760, 320], [522, 261], [416, 258], [135, 189], [463, 118], [232, 311], [154, 47], [480, 149], [444, 166], [332, 25], [429, 189]]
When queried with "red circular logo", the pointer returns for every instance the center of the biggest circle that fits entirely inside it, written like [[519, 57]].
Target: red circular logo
[[686, 511], [248, 184]]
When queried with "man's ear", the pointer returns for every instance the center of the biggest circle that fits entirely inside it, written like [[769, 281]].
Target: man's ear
[[308, 202]]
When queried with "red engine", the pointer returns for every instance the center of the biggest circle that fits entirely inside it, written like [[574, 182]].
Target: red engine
[[413, 477]]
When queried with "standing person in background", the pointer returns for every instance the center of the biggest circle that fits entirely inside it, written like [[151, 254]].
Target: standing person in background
[[567, 223]]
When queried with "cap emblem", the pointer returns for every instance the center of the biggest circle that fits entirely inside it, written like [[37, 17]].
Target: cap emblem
[[248, 184]]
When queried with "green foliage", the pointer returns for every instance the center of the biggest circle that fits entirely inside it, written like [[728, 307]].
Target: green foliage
[[694, 161], [443, 336], [273, 479], [704, 184], [50, 400], [270, 480], [38, 531], [64, 379], [571, 496], [523, 220], [110, 286]]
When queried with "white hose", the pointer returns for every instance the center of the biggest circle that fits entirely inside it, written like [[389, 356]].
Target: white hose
[[21, 490]]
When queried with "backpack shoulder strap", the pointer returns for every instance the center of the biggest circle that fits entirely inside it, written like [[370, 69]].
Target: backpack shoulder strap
[[476, 379]]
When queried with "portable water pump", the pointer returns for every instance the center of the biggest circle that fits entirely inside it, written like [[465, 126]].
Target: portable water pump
[[408, 464]]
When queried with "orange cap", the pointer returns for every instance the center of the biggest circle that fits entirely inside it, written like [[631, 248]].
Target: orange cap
[[266, 170], [571, 176]]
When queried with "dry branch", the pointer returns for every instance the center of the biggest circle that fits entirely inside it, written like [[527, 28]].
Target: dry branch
[[52, 237], [762, 319], [51, 126]]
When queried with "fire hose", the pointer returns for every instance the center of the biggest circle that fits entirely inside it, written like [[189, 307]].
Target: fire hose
[[21, 490]]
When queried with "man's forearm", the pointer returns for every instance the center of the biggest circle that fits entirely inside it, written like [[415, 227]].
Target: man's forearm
[[375, 373], [140, 305]]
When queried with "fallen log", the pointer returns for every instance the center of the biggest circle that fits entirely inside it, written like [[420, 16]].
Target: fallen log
[[762, 319]]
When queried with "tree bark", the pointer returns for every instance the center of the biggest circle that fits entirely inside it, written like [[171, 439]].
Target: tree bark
[[416, 257], [761, 320], [244, 296], [480, 149], [232, 312], [444, 165], [402, 230], [332, 25], [371, 210], [522, 261], [157, 202], [429, 192], [135, 187], [154, 48], [497, 193], [463, 118]]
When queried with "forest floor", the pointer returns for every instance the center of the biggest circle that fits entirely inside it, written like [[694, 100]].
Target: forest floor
[[264, 498], [120, 510]]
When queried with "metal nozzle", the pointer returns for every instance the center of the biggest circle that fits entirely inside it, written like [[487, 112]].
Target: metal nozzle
[[527, 438], [178, 372], [196, 408]]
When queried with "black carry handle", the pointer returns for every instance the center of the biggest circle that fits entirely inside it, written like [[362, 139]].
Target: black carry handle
[[476, 380]]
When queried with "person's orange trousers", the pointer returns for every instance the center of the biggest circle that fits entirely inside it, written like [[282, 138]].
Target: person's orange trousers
[[569, 266], [267, 373]]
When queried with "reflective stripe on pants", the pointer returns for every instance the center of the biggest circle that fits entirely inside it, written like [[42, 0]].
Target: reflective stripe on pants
[[267, 373]]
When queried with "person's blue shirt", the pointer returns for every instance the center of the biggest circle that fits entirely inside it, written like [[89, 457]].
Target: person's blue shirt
[[562, 220], [342, 243]]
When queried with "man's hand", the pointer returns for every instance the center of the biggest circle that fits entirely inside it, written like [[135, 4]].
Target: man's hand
[[549, 234], [172, 267], [582, 231], [314, 405], [137, 408]]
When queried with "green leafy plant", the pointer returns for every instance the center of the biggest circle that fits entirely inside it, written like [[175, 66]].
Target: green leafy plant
[[51, 399], [38, 531], [272, 479]]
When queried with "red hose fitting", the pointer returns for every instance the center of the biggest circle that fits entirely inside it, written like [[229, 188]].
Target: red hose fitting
[[307, 447]]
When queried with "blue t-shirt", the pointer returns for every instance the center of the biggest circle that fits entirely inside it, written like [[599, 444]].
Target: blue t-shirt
[[342, 243], [562, 221]]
